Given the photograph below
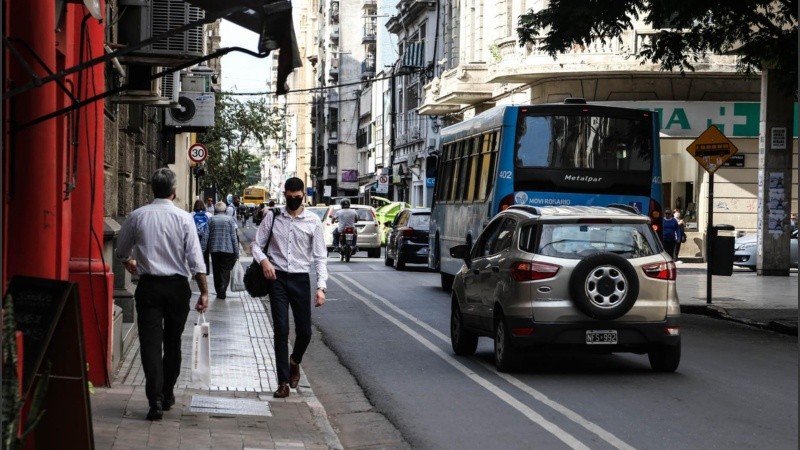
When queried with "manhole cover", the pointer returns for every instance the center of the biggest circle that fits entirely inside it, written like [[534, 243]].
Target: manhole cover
[[233, 406]]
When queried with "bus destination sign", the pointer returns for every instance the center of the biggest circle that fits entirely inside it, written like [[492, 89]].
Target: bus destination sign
[[711, 149]]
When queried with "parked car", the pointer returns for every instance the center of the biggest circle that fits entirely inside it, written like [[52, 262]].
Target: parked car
[[589, 278], [318, 210], [407, 238], [744, 251], [369, 238], [387, 213]]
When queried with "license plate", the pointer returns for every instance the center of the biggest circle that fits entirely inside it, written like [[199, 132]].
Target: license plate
[[601, 337]]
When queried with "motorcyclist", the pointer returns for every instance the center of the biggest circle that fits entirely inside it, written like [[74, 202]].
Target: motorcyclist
[[345, 217]]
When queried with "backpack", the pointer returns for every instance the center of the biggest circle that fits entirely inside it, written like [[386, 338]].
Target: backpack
[[201, 222]]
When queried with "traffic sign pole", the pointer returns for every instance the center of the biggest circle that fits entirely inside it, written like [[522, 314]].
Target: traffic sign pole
[[711, 149]]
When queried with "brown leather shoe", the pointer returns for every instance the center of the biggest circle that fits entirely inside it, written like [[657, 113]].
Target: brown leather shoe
[[282, 392], [294, 374]]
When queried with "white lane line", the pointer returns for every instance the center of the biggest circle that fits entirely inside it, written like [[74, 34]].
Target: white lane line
[[541, 397], [532, 415]]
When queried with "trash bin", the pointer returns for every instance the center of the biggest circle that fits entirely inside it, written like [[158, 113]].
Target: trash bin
[[721, 251]]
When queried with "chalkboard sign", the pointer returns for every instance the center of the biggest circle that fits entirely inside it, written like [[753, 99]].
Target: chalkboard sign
[[38, 304], [48, 312]]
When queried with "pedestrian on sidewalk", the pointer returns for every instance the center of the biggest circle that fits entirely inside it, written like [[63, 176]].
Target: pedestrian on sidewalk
[[224, 247], [210, 206], [670, 233], [169, 253], [298, 243], [676, 213], [201, 223]]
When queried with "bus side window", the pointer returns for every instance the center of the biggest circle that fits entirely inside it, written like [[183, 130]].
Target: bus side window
[[472, 189]]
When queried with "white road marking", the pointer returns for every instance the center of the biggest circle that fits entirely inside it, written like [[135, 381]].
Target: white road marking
[[541, 397], [532, 415]]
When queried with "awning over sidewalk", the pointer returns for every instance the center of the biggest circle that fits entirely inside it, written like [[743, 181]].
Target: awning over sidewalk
[[272, 21]]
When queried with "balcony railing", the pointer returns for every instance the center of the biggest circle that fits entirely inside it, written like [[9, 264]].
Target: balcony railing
[[370, 32], [367, 69]]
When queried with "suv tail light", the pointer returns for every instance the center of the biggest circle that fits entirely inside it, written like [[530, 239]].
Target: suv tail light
[[406, 232], [662, 271], [527, 271]]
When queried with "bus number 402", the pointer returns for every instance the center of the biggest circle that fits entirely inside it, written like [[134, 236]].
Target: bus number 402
[[505, 174]]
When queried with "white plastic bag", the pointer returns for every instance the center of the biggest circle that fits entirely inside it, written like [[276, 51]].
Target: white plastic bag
[[201, 354], [237, 278]]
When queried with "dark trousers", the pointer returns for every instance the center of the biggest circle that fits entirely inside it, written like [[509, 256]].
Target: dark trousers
[[206, 256], [290, 289], [223, 263], [162, 305], [669, 247]]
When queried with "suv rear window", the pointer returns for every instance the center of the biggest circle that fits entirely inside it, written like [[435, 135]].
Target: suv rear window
[[579, 240], [364, 215], [420, 221]]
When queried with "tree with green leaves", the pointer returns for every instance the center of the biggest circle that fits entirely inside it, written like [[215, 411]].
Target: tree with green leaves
[[761, 33], [240, 126]]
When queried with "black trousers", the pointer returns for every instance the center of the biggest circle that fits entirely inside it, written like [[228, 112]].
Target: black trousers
[[223, 263], [290, 289], [669, 247], [162, 305]]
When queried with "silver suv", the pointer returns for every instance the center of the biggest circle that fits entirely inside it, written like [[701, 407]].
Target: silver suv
[[594, 278]]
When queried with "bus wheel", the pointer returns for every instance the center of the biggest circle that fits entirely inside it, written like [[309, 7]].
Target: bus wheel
[[604, 286], [447, 281]]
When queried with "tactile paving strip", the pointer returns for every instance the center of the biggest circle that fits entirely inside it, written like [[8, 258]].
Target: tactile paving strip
[[233, 406]]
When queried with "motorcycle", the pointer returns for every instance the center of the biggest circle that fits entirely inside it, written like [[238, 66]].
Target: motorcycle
[[349, 245]]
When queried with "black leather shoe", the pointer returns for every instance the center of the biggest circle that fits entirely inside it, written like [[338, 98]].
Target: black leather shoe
[[169, 400], [282, 392], [294, 374], [155, 413]]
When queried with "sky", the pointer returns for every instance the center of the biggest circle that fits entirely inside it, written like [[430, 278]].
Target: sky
[[240, 71]]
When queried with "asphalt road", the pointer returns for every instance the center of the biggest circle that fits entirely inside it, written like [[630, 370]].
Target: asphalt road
[[736, 386]]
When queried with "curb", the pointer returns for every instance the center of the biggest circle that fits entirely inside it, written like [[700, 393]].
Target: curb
[[317, 409], [718, 312]]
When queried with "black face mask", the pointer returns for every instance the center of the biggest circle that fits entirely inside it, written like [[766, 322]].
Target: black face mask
[[293, 203]]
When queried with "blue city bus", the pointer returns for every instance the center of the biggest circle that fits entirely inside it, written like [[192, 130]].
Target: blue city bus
[[542, 155]]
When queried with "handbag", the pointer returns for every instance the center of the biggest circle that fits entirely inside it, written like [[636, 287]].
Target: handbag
[[237, 277], [254, 281], [201, 353]]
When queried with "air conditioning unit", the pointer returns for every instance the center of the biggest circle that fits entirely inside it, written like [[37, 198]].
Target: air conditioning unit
[[143, 19], [196, 112], [141, 90]]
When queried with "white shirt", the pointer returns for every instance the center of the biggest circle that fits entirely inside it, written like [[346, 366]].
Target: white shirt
[[297, 243], [165, 239]]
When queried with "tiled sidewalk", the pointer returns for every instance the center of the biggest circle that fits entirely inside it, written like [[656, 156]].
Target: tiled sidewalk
[[242, 363]]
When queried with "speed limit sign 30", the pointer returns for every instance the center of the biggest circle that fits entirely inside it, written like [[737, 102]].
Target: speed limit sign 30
[[198, 153]]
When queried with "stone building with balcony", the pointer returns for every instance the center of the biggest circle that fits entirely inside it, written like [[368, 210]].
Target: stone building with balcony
[[415, 136], [480, 64]]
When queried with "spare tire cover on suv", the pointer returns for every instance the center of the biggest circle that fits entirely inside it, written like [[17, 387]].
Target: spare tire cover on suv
[[604, 286]]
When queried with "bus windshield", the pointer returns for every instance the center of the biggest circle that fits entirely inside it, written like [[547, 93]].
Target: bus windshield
[[584, 142]]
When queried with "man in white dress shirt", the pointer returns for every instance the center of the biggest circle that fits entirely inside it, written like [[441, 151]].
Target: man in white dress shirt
[[297, 243], [168, 253]]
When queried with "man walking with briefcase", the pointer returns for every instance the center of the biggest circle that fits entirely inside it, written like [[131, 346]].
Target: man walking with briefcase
[[297, 243]]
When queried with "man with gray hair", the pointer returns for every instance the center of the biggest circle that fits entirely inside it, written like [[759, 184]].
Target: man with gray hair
[[168, 253], [224, 247]]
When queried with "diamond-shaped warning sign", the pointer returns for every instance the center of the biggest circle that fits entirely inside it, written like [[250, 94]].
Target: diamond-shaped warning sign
[[711, 149]]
